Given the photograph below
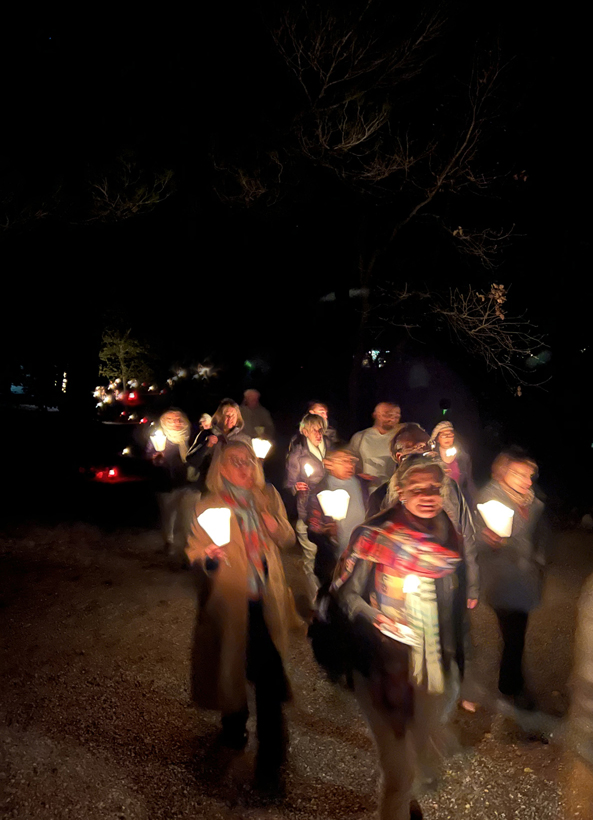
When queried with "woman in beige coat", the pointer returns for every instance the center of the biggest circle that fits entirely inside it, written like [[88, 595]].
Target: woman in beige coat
[[244, 605]]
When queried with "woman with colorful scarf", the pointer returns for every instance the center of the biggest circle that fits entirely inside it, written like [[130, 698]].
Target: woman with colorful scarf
[[244, 605], [512, 567], [396, 584]]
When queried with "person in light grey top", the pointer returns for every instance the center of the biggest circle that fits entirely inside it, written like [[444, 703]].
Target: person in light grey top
[[372, 446], [257, 420]]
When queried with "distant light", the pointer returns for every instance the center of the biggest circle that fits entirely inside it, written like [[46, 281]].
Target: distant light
[[112, 472], [248, 364], [127, 451], [144, 420], [132, 395]]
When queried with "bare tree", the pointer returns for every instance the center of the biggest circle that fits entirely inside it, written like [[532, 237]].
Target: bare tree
[[123, 357]]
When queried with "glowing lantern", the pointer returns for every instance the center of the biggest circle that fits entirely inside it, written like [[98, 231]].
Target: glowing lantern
[[217, 524], [308, 470], [127, 451], [334, 503], [132, 396], [497, 517], [112, 472], [261, 447], [452, 451], [159, 439], [411, 583]]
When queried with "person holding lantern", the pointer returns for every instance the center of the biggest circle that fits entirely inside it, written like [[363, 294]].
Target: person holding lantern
[[457, 462], [304, 470], [512, 541], [244, 607], [395, 586]]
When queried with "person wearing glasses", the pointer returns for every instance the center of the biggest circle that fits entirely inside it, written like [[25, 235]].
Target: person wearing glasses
[[512, 566], [244, 606]]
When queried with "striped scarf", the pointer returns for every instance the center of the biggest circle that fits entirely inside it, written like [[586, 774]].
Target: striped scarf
[[398, 550], [242, 503]]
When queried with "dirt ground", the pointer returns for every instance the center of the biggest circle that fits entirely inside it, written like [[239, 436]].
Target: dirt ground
[[96, 721]]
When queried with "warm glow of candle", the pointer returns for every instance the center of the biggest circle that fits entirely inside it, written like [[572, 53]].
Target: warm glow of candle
[[452, 451], [334, 503], [411, 583], [308, 470], [159, 439], [217, 523], [261, 447], [497, 517]]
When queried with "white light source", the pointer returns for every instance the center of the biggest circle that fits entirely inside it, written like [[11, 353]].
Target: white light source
[[261, 447], [497, 517], [334, 503], [452, 451], [411, 583], [159, 439], [217, 523], [308, 470]]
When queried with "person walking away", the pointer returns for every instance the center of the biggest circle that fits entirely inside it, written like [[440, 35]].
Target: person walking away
[[371, 446]]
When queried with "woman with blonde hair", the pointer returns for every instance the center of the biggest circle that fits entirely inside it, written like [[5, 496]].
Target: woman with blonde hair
[[244, 606]]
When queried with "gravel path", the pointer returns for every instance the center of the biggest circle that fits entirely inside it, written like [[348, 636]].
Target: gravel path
[[96, 723]]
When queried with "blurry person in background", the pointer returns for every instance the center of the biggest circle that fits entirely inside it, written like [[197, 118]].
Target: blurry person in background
[[578, 766], [457, 462], [318, 408], [257, 420], [329, 535], [205, 421], [226, 426], [372, 446], [176, 483], [512, 567], [395, 585], [304, 470], [244, 607]]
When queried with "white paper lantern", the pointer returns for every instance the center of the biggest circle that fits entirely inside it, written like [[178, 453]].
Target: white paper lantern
[[411, 583], [261, 447], [497, 517], [452, 451], [334, 503], [309, 470], [159, 439], [217, 523]]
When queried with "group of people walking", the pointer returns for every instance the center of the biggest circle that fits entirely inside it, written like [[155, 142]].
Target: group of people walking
[[390, 576]]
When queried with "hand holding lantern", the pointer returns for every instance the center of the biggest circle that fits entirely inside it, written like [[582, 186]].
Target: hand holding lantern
[[159, 440]]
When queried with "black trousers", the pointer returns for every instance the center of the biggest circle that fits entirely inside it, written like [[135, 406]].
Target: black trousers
[[513, 626], [266, 672]]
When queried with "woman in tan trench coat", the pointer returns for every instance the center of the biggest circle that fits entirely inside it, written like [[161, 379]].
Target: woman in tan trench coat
[[244, 605]]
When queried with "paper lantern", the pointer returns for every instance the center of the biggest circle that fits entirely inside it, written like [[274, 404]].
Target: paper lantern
[[309, 469], [261, 447], [497, 517], [334, 503], [411, 583], [217, 523], [452, 451], [159, 439]]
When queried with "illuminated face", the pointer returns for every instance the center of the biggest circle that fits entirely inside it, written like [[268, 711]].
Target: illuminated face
[[238, 467], [314, 434], [174, 420], [319, 410], [414, 443], [519, 477], [341, 466], [446, 439], [386, 416], [205, 423], [421, 493], [230, 417]]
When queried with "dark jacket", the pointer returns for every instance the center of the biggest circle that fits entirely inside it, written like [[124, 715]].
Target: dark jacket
[[171, 472], [202, 458], [456, 507], [512, 573], [299, 455]]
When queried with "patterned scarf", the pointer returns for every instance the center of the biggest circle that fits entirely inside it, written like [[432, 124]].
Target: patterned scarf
[[178, 437], [399, 550], [242, 503], [522, 500]]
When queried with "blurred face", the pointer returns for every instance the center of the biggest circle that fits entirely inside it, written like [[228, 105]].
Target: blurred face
[[416, 443], [421, 493], [341, 466], [446, 439], [174, 420], [230, 417], [238, 467], [519, 477], [314, 434], [251, 398], [205, 424], [319, 410], [386, 416]]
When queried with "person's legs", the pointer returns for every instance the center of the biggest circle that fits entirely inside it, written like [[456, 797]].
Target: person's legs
[[168, 515], [309, 552], [396, 754], [234, 733], [513, 626]]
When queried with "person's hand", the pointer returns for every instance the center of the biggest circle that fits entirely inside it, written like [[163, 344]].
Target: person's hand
[[157, 456], [212, 440], [492, 538], [472, 603], [215, 552], [301, 487], [383, 620], [331, 529], [366, 476], [270, 522]]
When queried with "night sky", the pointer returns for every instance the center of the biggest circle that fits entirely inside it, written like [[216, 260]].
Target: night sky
[[203, 277]]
